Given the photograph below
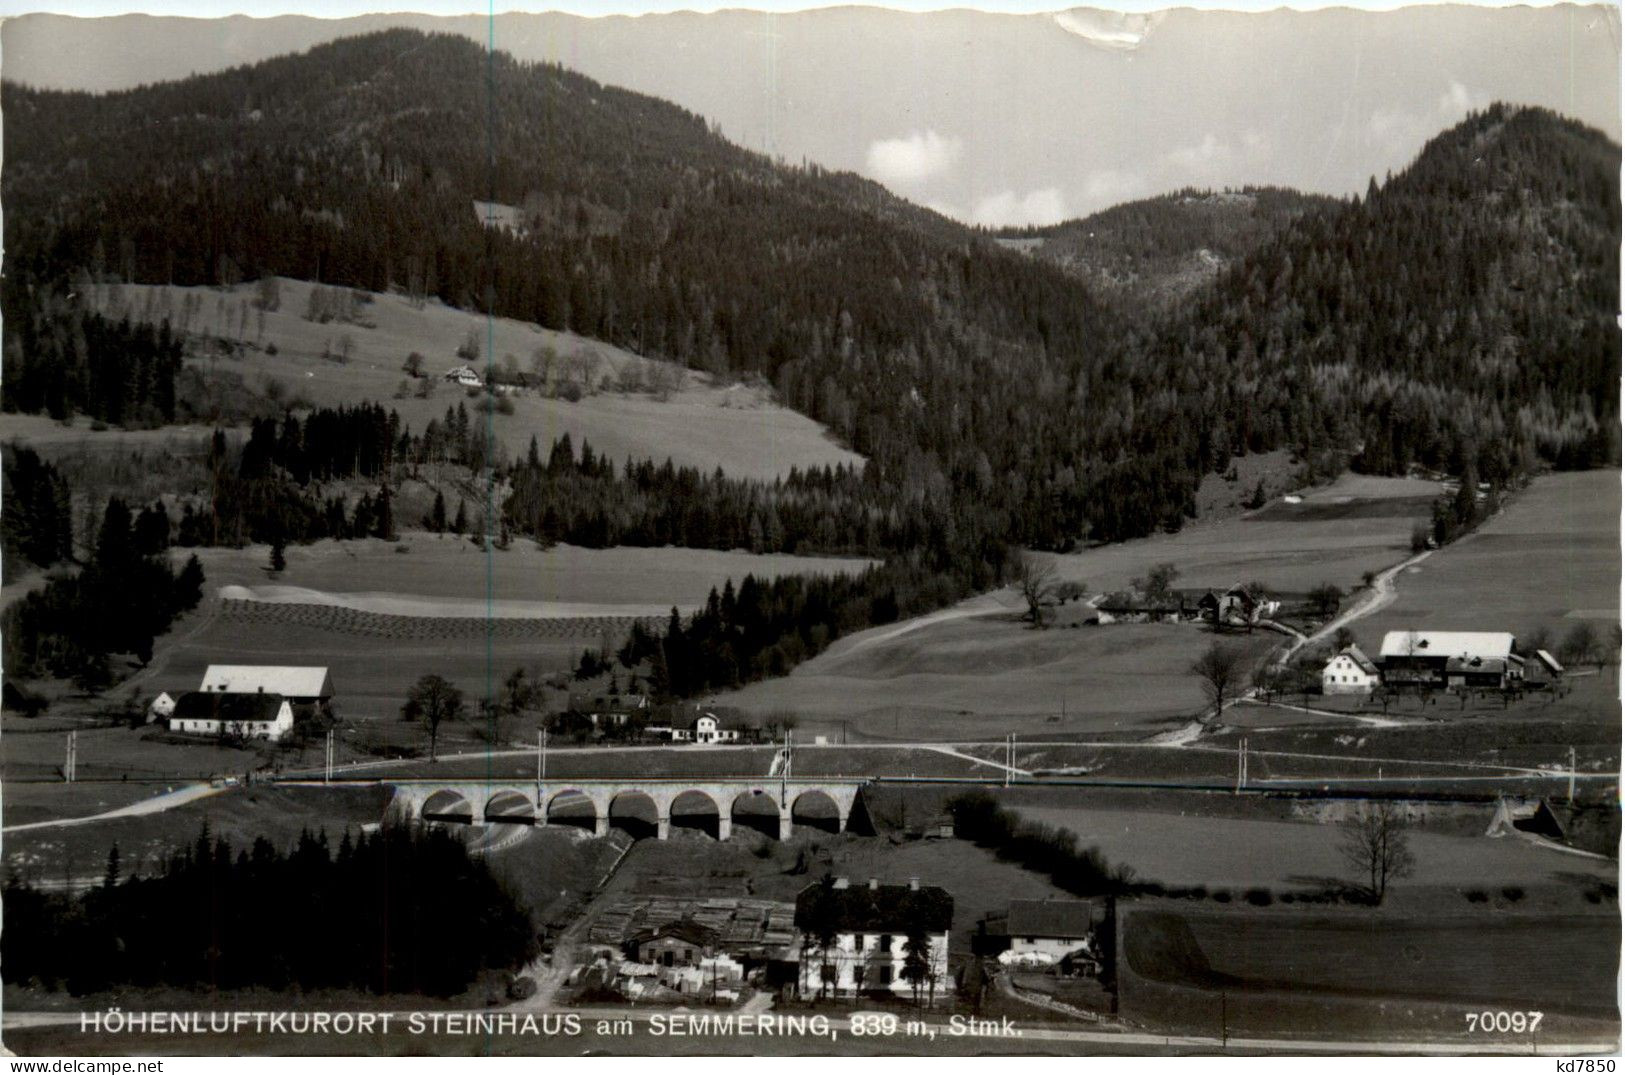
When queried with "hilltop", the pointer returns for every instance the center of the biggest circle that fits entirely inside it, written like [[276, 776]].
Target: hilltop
[[1157, 251]]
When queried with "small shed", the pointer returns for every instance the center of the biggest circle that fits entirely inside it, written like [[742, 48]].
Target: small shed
[[160, 707]]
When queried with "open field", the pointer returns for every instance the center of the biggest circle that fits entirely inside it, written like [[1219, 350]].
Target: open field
[[699, 423], [1181, 849], [240, 815], [1367, 971], [444, 575], [981, 676], [370, 674], [1338, 532], [1550, 558], [113, 753], [588, 593]]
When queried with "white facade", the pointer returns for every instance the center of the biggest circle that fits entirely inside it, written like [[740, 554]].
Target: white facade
[[1052, 948], [272, 730], [1343, 675], [879, 958], [707, 729], [161, 707]]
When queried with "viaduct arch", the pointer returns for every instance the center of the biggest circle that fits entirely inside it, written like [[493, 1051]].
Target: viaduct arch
[[531, 802]]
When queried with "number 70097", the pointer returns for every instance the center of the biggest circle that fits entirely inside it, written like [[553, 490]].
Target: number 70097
[[1503, 1022]]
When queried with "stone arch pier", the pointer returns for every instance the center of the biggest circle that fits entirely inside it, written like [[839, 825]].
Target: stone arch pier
[[534, 803]]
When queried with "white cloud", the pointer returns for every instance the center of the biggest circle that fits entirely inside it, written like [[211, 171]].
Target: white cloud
[[1109, 186], [1109, 29], [1456, 101], [1200, 157], [920, 155], [1008, 209]]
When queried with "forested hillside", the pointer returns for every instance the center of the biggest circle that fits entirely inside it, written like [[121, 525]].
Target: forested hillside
[[1459, 316], [1157, 251]]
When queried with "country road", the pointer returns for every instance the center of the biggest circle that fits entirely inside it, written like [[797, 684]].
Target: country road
[[155, 805], [1379, 596]]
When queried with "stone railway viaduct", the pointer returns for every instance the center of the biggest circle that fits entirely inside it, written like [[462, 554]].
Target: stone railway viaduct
[[537, 802]]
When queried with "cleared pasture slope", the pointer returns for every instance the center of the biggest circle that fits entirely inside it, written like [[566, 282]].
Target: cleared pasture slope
[[980, 677], [1179, 849], [617, 581], [1550, 558], [702, 424], [1369, 973], [1336, 534]]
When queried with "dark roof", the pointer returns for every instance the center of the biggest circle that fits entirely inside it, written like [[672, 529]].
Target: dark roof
[[1357, 655], [881, 909], [1129, 601], [683, 930], [1487, 665], [224, 706], [1052, 918]]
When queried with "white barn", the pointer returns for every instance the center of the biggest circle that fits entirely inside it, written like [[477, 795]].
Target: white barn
[[1349, 672]]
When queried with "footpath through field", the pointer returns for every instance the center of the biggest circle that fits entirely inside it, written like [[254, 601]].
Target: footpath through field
[[155, 805]]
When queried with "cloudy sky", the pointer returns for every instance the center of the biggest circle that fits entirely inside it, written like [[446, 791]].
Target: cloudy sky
[[996, 119]]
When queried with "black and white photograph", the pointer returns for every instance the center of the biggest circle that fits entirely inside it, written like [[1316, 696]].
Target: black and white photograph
[[609, 529]]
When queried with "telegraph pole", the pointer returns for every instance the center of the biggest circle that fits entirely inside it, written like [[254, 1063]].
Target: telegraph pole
[[1009, 756], [1571, 776], [1241, 765], [72, 759], [327, 777]]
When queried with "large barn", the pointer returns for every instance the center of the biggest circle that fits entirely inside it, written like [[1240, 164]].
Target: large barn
[[300, 685], [1440, 659]]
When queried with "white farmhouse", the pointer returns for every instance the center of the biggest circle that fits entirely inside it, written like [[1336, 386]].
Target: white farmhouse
[[868, 930], [1350, 672], [245, 716], [465, 376], [703, 728]]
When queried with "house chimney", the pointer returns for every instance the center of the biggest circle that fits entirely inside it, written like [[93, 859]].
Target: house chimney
[[841, 882], [913, 884], [874, 883]]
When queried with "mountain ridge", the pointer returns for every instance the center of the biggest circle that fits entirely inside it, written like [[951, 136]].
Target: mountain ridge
[[971, 376]]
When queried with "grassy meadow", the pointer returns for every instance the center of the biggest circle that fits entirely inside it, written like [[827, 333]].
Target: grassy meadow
[[1335, 534], [1548, 560], [631, 406], [984, 675]]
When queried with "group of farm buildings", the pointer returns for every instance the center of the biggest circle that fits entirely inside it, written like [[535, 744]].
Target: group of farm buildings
[[847, 940], [1440, 660]]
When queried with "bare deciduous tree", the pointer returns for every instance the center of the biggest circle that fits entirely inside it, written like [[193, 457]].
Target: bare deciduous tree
[[433, 700], [1035, 578], [1581, 646], [1158, 581], [1221, 670], [1375, 844]]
